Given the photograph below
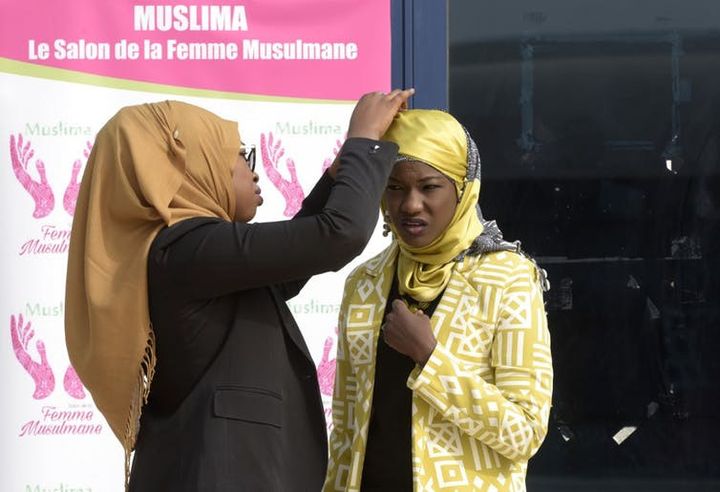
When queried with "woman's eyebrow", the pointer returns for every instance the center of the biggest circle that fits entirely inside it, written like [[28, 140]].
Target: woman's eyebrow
[[426, 178]]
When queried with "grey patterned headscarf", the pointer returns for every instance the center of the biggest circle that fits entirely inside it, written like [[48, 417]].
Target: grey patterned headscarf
[[491, 239]]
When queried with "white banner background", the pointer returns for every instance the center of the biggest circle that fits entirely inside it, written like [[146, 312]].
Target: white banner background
[[57, 122]]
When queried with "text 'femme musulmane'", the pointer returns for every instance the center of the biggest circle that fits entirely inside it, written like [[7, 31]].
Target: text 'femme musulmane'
[[254, 49]]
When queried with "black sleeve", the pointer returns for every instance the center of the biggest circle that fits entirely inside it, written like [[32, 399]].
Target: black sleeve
[[215, 257], [311, 205]]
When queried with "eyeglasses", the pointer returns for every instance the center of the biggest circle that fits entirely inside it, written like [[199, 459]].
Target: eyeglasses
[[249, 154]]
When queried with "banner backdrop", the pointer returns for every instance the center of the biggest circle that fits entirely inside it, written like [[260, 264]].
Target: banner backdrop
[[287, 70]]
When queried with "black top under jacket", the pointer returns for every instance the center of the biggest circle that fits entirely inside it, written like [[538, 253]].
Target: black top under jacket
[[388, 455]]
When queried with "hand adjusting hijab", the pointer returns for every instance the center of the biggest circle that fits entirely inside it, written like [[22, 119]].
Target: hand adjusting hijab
[[151, 166], [437, 139]]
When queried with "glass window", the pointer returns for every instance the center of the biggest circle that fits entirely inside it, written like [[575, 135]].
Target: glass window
[[599, 127]]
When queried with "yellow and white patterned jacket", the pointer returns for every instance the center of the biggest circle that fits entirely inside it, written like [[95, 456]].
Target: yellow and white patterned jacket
[[480, 404]]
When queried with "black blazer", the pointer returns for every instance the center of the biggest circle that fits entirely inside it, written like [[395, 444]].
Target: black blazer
[[235, 403]]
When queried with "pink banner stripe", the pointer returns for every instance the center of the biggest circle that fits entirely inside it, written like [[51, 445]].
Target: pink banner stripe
[[328, 49]]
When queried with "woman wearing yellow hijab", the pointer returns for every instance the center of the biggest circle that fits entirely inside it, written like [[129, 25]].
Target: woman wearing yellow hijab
[[444, 372], [175, 304]]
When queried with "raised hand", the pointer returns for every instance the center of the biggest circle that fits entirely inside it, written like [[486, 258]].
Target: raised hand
[[73, 385], [291, 190], [375, 111], [326, 369], [39, 191], [73, 187], [21, 333]]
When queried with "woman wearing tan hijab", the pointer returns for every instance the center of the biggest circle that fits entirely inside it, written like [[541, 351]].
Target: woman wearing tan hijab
[[175, 305]]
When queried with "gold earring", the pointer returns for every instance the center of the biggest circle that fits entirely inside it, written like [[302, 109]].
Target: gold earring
[[386, 225]]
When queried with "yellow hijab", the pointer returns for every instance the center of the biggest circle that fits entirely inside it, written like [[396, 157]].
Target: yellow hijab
[[151, 166], [438, 140]]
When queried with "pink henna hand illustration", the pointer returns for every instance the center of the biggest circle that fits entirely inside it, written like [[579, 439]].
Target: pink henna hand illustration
[[338, 145], [40, 192], [326, 369], [73, 385], [291, 190], [73, 187], [41, 372]]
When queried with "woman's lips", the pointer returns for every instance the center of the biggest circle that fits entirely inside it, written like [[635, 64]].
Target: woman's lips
[[414, 227], [258, 192]]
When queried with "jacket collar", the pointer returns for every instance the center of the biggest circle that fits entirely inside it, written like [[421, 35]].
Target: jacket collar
[[382, 262]]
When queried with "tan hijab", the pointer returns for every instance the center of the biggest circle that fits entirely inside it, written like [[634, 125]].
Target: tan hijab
[[151, 166]]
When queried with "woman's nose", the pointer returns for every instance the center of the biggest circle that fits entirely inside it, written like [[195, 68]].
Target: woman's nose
[[412, 203], [256, 177]]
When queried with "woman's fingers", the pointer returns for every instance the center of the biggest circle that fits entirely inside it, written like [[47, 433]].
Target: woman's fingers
[[375, 111]]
